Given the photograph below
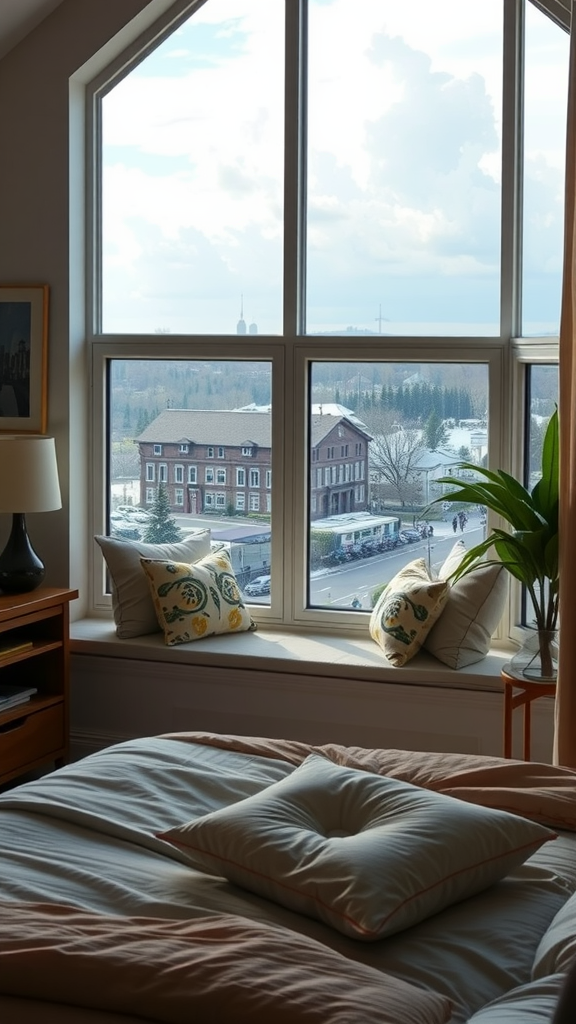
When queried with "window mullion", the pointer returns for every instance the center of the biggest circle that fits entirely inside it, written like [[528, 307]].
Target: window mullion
[[294, 168]]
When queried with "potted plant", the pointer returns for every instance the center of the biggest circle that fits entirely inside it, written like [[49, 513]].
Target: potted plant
[[530, 550]]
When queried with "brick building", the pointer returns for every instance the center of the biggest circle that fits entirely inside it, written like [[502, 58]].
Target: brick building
[[220, 460]]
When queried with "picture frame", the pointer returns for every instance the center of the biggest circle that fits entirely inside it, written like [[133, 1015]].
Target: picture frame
[[23, 358]]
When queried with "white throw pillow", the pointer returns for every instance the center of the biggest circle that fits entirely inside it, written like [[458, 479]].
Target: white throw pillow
[[134, 612], [406, 610], [533, 1003], [366, 854], [557, 948], [474, 606]]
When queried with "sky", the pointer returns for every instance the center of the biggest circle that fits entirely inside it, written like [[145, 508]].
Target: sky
[[403, 181]]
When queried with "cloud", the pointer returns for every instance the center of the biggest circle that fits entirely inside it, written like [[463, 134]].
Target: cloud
[[403, 169]]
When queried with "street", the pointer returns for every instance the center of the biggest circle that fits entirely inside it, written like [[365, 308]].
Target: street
[[337, 587]]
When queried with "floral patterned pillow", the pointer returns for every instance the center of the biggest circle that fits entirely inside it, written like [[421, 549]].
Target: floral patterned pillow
[[406, 610], [197, 600]]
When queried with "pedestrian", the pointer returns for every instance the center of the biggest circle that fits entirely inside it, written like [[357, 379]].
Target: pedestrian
[[455, 523], [356, 602]]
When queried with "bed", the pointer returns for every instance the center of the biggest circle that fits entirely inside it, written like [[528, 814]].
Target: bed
[[200, 877]]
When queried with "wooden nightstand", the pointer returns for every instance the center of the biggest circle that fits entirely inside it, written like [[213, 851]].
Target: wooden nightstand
[[35, 732]]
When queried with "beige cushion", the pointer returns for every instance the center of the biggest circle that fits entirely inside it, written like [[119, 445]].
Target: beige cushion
[[132, 604], [194, 600], [366, 854], [474, 607], [406, 611]]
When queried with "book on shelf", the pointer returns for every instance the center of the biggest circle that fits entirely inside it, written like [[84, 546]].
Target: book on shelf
[[15, 648], [11, 694]]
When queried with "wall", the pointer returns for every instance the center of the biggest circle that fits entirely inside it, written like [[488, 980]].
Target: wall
[[118, 699], [42, 240]]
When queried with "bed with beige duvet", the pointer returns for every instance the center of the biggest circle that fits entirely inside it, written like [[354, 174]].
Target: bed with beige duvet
[[205, 878]]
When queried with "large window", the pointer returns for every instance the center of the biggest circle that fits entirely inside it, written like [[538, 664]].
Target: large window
[[345, 259]]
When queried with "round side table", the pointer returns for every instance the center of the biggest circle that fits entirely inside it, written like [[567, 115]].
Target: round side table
[[519, 692]]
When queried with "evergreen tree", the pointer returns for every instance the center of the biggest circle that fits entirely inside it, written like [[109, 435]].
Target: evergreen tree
[[161, 529], [435, 433]]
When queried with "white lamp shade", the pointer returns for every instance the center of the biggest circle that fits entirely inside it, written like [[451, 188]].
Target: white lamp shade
[[28, 473]]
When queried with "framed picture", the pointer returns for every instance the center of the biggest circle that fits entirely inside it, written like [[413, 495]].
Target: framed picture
[[23, 358]]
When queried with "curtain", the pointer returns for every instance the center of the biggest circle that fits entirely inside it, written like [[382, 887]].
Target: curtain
[[565, 709]]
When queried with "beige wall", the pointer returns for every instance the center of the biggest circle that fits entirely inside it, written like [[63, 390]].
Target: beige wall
[[41, 232]]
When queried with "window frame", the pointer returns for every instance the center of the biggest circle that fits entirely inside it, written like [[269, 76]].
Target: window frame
[[292, 353]]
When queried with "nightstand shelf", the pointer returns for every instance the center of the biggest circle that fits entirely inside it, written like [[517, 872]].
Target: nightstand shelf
[[35, 732]]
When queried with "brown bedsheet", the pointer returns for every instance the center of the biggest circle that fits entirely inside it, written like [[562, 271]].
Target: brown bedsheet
[[541, 792], [213, 969]]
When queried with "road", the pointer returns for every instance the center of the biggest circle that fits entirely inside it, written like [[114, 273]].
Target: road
[[337, 587]]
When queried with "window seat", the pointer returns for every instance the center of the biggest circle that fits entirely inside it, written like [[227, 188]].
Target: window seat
[[269, 650]]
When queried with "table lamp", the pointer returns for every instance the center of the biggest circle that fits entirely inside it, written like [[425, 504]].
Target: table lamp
[[28, 483]]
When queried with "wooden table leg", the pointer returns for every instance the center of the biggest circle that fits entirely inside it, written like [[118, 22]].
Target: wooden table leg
[[527, 730], [507, 721]]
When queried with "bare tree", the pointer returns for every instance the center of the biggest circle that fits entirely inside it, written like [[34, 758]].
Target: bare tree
[[394, 455], [124, 460]]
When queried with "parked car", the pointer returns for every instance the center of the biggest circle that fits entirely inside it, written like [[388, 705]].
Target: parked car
[[126, 532], [260, 585], [409, 536]]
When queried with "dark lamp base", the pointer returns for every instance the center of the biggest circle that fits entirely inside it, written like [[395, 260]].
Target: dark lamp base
[[20, 568]]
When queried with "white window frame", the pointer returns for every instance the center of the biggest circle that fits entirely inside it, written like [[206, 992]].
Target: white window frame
[[209, 475], [254, 477], [162, 472], [240, 501], [221, 452], [178, 474], [150, 472], [183, 449], [254, 501], [220, 475], [192, 474], [292, 353], [157, 449], [220, 499], [179, 496], [240, 476], [150, 495]]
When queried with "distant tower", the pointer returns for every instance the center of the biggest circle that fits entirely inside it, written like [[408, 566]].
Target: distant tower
[[253, 329], [241, 325], [379, 319]]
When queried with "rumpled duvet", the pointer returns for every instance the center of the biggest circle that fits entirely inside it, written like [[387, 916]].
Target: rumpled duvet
[[97, 912]]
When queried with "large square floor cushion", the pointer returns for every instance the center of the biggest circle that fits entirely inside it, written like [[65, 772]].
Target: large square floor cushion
[[132, 604], [366, 854], [474, 606]]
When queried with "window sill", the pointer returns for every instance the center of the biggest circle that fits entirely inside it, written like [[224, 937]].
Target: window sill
[[315, 654]]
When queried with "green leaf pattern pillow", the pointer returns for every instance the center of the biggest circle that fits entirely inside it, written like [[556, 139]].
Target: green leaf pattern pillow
[[406, 611], [196, 600]]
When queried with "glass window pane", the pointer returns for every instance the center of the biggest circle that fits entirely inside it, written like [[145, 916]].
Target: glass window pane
[[404, 154], [380, 436], [168, 418], [546, 93], [543, 391], [192, 179]]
